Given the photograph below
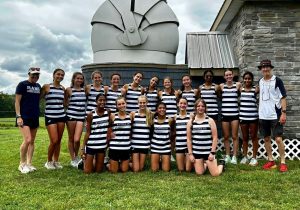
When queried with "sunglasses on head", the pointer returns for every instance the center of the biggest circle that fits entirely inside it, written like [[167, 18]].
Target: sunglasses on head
[[35, 69]]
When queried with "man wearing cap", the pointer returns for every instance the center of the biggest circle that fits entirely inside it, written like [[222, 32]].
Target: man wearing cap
[[272, 113], [27, 116]]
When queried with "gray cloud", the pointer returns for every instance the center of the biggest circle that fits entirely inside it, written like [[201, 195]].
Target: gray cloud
[[19, 64], [57, 33]]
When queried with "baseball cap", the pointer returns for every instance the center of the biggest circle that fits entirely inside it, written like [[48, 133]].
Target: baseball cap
[[34, 70]]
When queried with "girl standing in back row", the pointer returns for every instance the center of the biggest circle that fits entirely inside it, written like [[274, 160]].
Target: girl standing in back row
[[209, 93], [249, 117], [132, 92], [75, 101], [151, 92], [113, 92], [188, 92], [230, 114], [55, 117], [93, 90], [169, 96]]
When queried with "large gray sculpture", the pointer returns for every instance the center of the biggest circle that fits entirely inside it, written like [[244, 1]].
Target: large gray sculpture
[[135, 31]]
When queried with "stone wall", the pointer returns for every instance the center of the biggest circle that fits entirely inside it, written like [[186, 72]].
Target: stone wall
[[271, 30]]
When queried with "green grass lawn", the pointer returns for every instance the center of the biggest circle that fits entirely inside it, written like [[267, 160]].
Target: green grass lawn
[[240, 187]]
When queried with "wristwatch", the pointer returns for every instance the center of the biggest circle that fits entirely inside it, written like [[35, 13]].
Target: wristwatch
[[283, 111], [18, 116]]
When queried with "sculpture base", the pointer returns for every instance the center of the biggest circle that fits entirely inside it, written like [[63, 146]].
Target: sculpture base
[[126, 70]]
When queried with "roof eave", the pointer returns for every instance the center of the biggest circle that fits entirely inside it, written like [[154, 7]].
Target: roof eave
[[227, 12]]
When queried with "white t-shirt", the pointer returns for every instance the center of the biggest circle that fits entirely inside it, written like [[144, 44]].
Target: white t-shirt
[[270, 93]]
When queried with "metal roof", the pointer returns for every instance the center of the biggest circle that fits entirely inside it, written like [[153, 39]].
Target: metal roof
[[209, 50]]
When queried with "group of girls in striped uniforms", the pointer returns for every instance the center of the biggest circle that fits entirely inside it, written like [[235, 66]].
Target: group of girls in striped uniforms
[[132, 120]]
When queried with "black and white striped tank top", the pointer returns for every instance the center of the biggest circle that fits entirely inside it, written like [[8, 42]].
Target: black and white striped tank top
[[160, 142], [201, 137], [91, 98], [55, 102], [152, 100], [230, 105], [76, 108], [248, 105], [211, 99], [191, 98], [140, 132], [121, 128], [132, 98], [181, 123], [99, 127], [170, 102], [111, 97]]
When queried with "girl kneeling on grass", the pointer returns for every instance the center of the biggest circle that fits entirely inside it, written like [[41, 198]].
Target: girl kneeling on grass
[[140, 140], [95, 139], [202, 141], [119, 144], [163, 128]]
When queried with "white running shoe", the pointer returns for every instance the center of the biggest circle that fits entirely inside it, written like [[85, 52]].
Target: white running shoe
[[233, 160], [253, 162], [173, 159], [74, 163], [23, 168], [244, 160], [57, 165], [31, 168], [227, 159], [50, 165]]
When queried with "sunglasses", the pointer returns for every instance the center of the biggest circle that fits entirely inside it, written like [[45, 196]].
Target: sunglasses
[[35, 69], [208, 76]]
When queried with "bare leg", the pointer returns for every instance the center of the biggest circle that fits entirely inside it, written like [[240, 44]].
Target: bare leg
[[180, 160], [136, 162], [113, 166], [268, 147], [71, 125], [245, 133], [155, 162], [60, 131], [254, 138], [99, 164], [31, 146], [88, 164], [234, 134], [199, 166], [124, 165], [166, 163], [225, 129], [214, 168], [281, 149]]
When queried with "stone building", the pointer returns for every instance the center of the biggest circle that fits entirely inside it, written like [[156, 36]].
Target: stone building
[[256, 30], [267, 29]]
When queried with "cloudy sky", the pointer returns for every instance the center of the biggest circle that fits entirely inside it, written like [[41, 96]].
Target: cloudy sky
[[57, 33]]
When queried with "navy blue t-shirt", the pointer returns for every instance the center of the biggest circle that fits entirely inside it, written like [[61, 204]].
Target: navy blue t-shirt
[[29, 105]]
